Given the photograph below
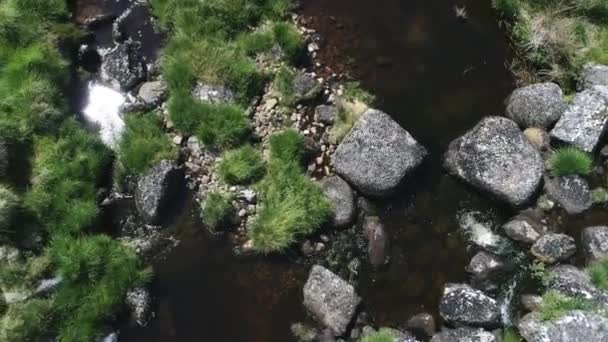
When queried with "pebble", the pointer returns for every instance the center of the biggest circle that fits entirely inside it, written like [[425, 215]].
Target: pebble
[[177, 140], [243, 213], [319, 246]]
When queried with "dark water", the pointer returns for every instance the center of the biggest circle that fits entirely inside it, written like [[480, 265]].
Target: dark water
[[437, 76]]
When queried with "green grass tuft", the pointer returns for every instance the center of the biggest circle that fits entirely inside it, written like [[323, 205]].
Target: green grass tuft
[[508, 9], [382, 335], [510, 335], [291, 205], [216, 210], [241, 166], [554, 305], [570, 161], [9, 203], [224, 126], [598, 272], [144, 143]]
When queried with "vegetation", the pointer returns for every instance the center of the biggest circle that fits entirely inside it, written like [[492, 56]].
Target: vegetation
[[570, 161], [555, 38], [598, 271], [9, 203], [241, 166], [510, 335], [554, 305], [285, 87], [351, 105], [599, 195], [291, 205], [382, 335], [143, 143], [275, 34], [216, 210]]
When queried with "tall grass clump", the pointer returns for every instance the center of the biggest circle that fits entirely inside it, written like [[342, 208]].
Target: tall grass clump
[[570, 161], [554, 305], [277, 34], [9, 203], [241, 166], [291, 206], [97, 272], [216, 210], [65, 173], [225, 125], [144, 143], [598, 272], [508, 9], [382, 335]]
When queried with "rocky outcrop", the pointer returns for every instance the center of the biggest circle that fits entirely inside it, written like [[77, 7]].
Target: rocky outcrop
[[584, 122], [536, 105], [331, 300], [156, 189], [342, 198], [463, 305], [593, 75], [495, 157], [377, 241], [139, 302], [464, 334], [377, 154], [573, 282], [595, 243], [122, 67], [213, 93], [574, 326], [571, 192], [552, 248]]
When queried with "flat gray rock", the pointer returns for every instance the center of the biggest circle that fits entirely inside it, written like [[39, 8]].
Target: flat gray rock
[[463, 305], [574, 326], [552, 248], [341, 196], [496, 158], [595, 243], [536, 105], [331, 300], [464, 335], [571, 192], [584, 122], [377, 154], [592, 75]]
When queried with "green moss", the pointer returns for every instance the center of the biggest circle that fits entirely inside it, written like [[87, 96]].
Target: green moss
[[9, 203], [291, 205], [510, 335], [570, 161], [144, 143], [241, 166], [598, 272], [216, 210], [554, 305], [599, 195], [382, 335]]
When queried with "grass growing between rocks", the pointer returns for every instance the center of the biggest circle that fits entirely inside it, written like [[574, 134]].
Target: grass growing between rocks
[[143, 144], [555, 38], [382, 335], [554, 305], [9, 204], [510, 335], [598, 272], [216, 210], [351, 105], [568, 161], [241, 166], [291, 205]]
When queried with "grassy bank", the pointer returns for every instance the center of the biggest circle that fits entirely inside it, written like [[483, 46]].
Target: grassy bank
[[553, 39], [60, 202]]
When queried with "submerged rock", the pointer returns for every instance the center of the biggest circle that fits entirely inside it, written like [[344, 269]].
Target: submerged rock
[[584, 122], [495, 157], [536, 105], [377, 241], [342, 198], [571, 192], [486, 270], [593, 75], [122, 67], [213, 93], [573, 282], [461, 304], [595, 243], [377, 154], [552, 248], [574, 326], [464, 335], [156, 189], [422, 324], [331, 300], [139, 302]]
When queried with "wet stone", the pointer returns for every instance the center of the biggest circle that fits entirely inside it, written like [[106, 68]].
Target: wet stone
[[571, 192], [552, 248], [139, 302], [156, 189], [122, 67], [461, 304], [422, 324], [377, 241], [486, 270]]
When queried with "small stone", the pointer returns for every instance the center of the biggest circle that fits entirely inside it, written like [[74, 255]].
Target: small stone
[[177, 140], [538, 137], [270, 104], [319, 160], [307, 248], [319, 246], [243, 212], [531, 302], [422, 324], [248, 195]]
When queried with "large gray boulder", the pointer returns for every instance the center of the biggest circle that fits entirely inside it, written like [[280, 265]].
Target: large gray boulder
[[464, 335], [122, 67], [331, 300], [584, 122], [573, 282], [536, 105], [574, 326], [593, 75], [377, 154], [552, 248], [463, 305], [156, 189], [341, 196], [571, 192], [495, 157], [595, 243]]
